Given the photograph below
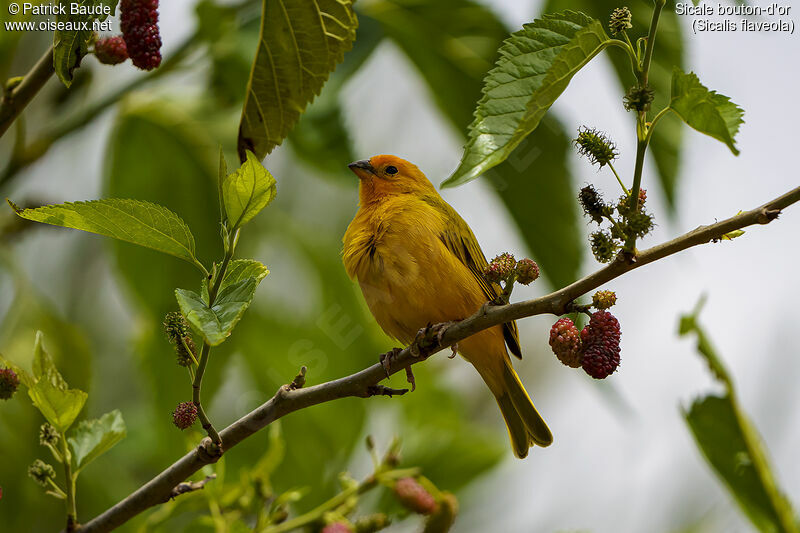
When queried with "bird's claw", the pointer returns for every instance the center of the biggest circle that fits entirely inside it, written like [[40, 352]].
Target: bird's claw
[[386, 359], [454, 348], [410, 378]]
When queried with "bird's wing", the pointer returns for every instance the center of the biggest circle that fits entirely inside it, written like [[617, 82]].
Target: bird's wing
[[459, 239]]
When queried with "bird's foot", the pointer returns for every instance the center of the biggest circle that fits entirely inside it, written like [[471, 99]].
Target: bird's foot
[[410, 378], [416, 347], [454, 348], [388, 357]]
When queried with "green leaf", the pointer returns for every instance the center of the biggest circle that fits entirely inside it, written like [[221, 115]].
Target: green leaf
[[239, 270], [71, 42], [453, 43], [534, 183], [299, 46], [733, 449], [49, 391], [43, 365], [247, 191], [143, 223], [706, 111], [535, 67], [217, 322], [59, 406], [93, 438]]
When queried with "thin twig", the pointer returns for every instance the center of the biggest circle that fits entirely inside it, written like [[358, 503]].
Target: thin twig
[[16, 99], [362, 384], [190, 486]]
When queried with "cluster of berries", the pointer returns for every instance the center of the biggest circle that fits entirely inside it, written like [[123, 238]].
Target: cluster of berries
[[180, 336], [139, 23], [140, 39], [504, 268], [595, 348], [630, 223], [416, 498]]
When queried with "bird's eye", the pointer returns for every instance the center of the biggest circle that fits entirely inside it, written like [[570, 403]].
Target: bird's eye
[[391, 170]]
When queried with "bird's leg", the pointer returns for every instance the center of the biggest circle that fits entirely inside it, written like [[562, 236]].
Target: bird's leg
[[386, 359]]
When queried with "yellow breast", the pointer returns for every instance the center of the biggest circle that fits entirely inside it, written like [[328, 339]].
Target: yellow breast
[[407, 275]]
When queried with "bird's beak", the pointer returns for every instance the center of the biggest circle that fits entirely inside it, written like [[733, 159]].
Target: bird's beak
[[361, 168]]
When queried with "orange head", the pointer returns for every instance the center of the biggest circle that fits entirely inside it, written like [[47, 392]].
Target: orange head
[[386, 175]]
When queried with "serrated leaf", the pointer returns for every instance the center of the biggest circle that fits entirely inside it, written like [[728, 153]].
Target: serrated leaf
[[59, 406], [706, 111], [93, 438], [71, 42], [733, 448], [536, 65], [299, 46], [43, 365], [247, 191], [238, 270], [217, 322], [143, 223]]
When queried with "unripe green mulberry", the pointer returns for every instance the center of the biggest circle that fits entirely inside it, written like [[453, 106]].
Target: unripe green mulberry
[[638, 98], [603, 246], [620, 20], [640, 224], [604, 299], [41, 472], [596, 146], [175, 326], [48, 435], [592, 203]]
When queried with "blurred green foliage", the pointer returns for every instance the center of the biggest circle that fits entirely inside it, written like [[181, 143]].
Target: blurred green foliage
[[731, 443]]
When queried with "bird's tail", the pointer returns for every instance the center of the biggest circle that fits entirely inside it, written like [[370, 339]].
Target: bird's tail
[[525, 425]]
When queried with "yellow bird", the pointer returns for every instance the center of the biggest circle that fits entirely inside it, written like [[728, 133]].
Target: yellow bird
[[418, 263]]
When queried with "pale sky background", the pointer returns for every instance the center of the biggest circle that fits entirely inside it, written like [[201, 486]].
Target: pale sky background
[[611, 470]]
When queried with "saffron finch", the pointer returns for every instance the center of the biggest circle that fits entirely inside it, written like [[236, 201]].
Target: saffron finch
[[418, 263]]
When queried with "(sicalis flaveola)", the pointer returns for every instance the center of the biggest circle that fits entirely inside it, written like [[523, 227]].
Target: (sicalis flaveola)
[[418, 263]]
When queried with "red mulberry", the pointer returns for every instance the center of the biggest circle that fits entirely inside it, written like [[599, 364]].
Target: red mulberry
[[527, 271], [184, 415], [111, 50], [139, 23], [500, 268], [9, 381], [565, 341], [413, 496], [601, 345]]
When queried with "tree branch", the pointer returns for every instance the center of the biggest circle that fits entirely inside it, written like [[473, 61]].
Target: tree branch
[[15, 99], [293, 397]]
